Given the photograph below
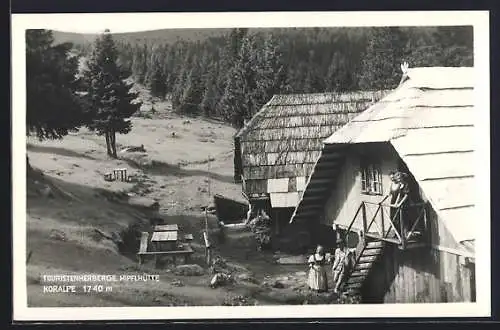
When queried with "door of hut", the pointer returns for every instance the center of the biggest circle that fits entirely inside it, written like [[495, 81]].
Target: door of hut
[[281, 217]]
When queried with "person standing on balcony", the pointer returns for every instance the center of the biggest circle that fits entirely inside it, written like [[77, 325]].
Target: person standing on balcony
[[317, 279], [398, 194]]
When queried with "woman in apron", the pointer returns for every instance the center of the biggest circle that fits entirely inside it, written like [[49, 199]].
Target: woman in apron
[[317, 280]]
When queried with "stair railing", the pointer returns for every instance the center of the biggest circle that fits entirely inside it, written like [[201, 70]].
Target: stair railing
[[346, 236], [381, 209], [405, 232], [361, 237], [379, 231]]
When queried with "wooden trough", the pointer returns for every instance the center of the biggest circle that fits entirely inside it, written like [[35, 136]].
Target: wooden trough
[[229, 211]]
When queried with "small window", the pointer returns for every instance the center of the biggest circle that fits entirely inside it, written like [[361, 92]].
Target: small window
[[371, 178]]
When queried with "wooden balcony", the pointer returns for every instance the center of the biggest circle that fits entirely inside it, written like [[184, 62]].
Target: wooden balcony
[[380, 225], [405, 226]]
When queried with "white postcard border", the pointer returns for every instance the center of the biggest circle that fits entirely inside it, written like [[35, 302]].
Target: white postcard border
[[151, 21]]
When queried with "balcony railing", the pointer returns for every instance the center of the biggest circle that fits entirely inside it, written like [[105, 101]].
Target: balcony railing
[[404, 225]]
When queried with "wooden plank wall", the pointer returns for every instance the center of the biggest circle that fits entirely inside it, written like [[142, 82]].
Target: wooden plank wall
[[419, 276]]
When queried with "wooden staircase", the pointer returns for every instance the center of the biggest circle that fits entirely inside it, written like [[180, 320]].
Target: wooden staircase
[[366, 255], [373, 237]]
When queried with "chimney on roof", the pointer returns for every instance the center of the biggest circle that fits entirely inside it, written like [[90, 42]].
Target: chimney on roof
[[404, 70]]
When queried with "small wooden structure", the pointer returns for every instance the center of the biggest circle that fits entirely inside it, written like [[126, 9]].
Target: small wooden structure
[[120, 174], [165, 240]]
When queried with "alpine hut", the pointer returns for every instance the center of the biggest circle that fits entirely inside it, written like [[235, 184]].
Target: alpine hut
[[277, 149], [421, 250]]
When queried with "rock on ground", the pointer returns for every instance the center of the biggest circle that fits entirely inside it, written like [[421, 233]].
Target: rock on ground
[[189, 270], [58, 235], [247, 277], [238, 301], [292, 260]]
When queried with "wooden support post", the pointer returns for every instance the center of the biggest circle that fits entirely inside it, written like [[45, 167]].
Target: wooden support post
[[143, 247], [402, 228], [382, 220], [363, 213], [426, 233], [208, 249], [277, 221]]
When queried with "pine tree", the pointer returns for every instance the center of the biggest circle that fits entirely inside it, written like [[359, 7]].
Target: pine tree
[[236, 40], [210, 94], [125, 57], [193, 92], [139, 63], [136, 64], [180, 81], [381, 63], [158, 81], [53, 107], [337, 77], [238, 101], [422, 49], [110, 97], [232, 103], [267, 65], [228, 58], [310, 74], [283, 84], [456, 44]]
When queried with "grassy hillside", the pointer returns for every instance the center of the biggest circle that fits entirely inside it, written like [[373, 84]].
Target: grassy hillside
[[166, 36], [155, 36], [75, 38], [77, 223]]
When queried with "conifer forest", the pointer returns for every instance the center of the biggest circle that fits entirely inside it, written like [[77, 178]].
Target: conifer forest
[[230, 73]]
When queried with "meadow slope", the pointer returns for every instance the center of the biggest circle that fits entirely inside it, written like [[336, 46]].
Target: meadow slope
[[82, 226]]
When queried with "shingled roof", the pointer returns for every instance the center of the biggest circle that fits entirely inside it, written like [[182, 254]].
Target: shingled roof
[[284, 139], [429, 120]]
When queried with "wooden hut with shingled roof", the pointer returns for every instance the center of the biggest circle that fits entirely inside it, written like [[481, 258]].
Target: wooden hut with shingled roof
[[424, 251], [277, 149]]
